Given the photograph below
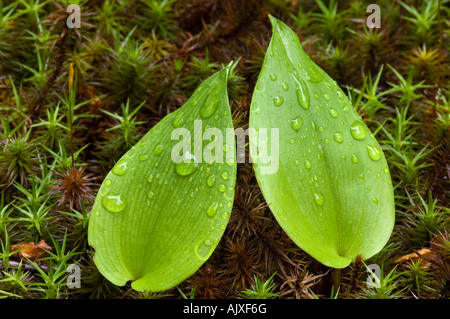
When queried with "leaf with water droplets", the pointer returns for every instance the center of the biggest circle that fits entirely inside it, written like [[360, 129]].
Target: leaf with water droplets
[[319, 193], [161, 210]]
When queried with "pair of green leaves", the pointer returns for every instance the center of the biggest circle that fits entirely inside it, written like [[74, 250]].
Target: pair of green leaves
[[155, 221]]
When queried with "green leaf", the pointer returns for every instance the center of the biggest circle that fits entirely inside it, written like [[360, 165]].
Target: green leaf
[[331, 191], [156, 221]]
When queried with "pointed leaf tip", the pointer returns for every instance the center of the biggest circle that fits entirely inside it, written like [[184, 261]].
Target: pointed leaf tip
[[272, 19], [229, 65]]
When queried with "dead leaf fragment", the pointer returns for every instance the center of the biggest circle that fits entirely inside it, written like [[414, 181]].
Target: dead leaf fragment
[[30, 250], [424, 256]]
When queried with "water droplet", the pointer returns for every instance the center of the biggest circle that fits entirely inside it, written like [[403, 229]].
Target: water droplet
[[107, 182], [333, 112], [340, 95], [278, 100], [326, 96], [297, 163], [150, 178], [222, 188], [185, 169], [259, 86], [212, 209], [143, 157], [313, 74], [291, 141], [209, 107], [273, 76], [121, 167], [225, 175], [158, 149], [208, 241], [150, 194], [285, 86], [386, 170], [203, 249], [225, 215], [178, 121], [114, 203], [374, 153], [358, 131], [210, 181], [339, 137], [375, 200], [308, 164], [318, 198], [230, 193], [355, 158], [297, 123], [327, 141], [303, 95]]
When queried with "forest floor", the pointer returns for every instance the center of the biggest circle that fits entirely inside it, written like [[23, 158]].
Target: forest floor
[[155, 53]]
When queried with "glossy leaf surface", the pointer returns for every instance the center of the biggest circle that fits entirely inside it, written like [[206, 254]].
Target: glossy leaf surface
[[156, 218], [332, 192]]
